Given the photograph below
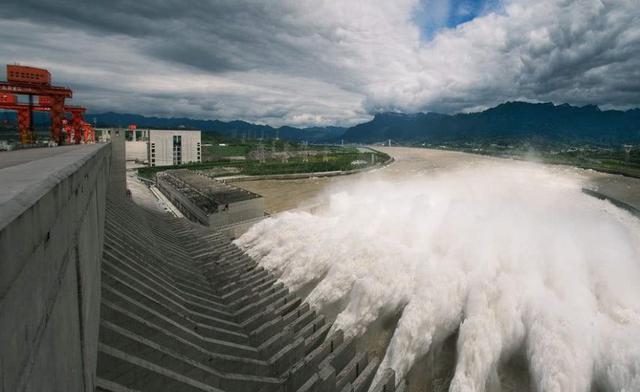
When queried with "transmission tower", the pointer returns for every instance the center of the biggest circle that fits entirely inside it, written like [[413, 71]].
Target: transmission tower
[[260, 153], [285, 153], [325, 155], [627, 152], [305, 152]]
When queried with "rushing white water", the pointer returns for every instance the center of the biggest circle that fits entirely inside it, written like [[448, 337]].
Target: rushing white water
[[513, 256]]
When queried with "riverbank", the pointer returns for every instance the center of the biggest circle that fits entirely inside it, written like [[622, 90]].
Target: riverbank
[[295, 176], [285, 194]]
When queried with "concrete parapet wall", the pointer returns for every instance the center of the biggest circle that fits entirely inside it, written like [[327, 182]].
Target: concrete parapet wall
[[52, 214]]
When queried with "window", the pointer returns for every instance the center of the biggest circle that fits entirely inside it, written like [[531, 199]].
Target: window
[[177, 149]]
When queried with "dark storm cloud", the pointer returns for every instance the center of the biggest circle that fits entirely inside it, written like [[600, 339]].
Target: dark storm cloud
[[305, 62], [208, 35]]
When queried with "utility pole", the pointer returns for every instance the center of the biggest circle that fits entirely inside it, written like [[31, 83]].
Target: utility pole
[[627, 152], [260, 153], [305, 152]]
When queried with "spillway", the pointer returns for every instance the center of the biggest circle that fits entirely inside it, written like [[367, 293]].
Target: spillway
[[100, 294], [511, 260], [467, 275], [185, 309]]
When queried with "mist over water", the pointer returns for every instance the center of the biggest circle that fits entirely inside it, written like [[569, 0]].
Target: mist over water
[[512, 256]]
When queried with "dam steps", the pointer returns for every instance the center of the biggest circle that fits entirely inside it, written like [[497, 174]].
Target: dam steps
[[184, 309]]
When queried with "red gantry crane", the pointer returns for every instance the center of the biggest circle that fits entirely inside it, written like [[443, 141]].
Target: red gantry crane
[[30, 81]]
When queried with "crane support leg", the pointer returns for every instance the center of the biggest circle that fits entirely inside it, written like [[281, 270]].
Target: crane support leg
[[76, 124], [24, 126], [57, 115]]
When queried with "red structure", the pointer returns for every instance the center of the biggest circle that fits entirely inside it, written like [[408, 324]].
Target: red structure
[[30, 81], [29, 75]]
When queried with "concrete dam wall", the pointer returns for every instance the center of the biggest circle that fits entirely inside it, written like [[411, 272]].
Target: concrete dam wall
[[183, 309], [98, 293], [52, 209]]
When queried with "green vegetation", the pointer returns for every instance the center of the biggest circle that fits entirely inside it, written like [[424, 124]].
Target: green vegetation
[[216, 146], [217, 164], [212, 153], [614, 160], [212, 150]]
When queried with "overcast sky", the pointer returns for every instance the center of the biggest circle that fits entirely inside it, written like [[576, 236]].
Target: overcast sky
[[332, 62]]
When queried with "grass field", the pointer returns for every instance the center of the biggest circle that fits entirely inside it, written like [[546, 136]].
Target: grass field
[[338, 159], [614, 160], [215, 151]]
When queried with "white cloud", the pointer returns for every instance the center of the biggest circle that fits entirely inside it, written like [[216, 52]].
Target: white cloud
[[332, 62]]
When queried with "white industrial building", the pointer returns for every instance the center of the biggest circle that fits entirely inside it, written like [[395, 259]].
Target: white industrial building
[[173, 147], [160, 147]]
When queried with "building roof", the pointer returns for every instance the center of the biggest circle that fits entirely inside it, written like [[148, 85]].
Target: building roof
[[208, 194]]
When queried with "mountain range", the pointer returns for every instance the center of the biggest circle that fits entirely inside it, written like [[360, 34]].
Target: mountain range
[[511, 121], [236, 129], [507, 122]]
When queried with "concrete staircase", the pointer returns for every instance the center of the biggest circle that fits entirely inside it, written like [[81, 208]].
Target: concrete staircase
[[183, 309]]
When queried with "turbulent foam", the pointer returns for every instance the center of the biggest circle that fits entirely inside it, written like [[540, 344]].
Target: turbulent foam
[[513, 256]]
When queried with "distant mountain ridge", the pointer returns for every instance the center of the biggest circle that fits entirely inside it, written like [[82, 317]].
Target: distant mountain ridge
[[511, 121], [232, 128], [507, 122]]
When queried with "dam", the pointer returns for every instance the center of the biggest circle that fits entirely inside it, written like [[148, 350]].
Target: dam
[[465, 272], [98, 293]]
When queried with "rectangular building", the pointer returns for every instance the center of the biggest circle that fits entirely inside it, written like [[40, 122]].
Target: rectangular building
[[173, 147], [208, 201], [158, 147]]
